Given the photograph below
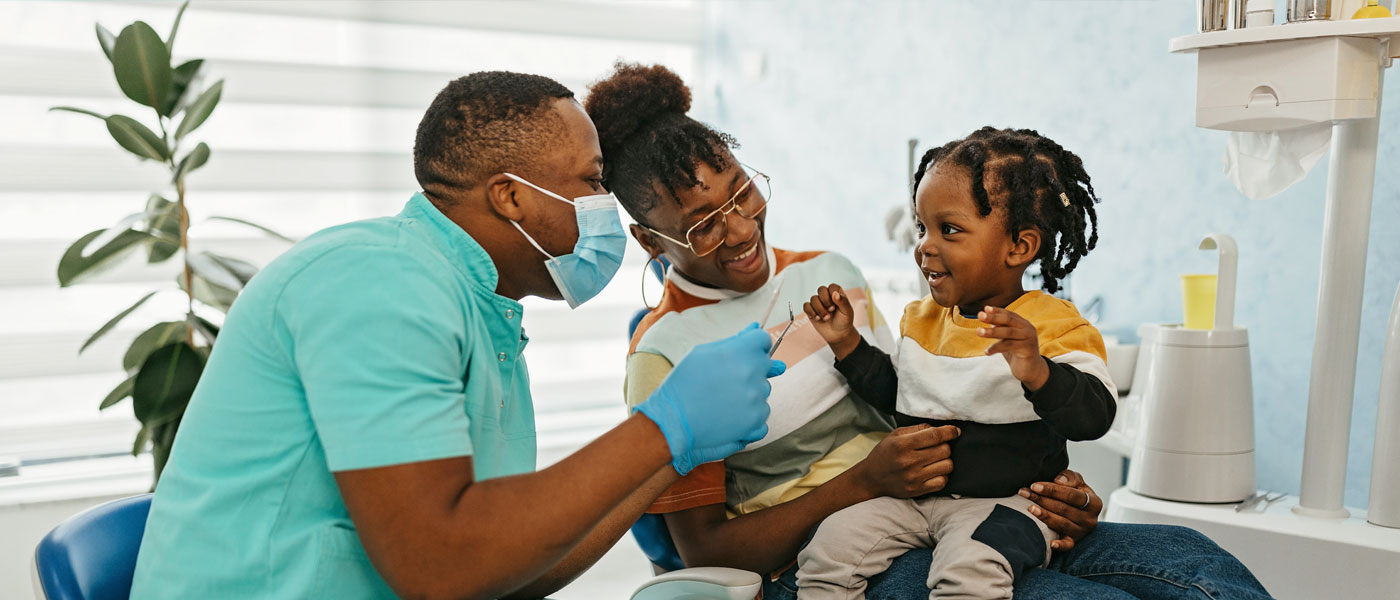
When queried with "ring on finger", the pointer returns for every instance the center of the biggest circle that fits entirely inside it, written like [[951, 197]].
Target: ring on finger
[[1086, 502]]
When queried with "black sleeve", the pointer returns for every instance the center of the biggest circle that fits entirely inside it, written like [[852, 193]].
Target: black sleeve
[[870, 373], [1075, 405]]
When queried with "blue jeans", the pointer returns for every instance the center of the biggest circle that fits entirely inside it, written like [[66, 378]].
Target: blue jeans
[[1116, 561]]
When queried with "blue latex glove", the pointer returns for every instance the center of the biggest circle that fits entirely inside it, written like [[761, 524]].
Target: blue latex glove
[[715, 401]]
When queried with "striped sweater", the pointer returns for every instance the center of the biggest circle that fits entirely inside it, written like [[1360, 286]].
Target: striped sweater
[[817, 428], [1011, 437]]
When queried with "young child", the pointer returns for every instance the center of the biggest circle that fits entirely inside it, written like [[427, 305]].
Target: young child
[[985, 208]]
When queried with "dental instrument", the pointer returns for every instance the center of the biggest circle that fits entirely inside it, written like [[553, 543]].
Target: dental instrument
[[791, 318]]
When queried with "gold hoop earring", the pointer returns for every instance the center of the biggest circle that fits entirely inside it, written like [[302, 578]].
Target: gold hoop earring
[[645, 269]]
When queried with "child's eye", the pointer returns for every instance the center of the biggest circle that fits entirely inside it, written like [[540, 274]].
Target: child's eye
[[920, 229], [947, 229]]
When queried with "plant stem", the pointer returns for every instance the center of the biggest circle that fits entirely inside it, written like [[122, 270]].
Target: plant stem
[[184, 227], [185, 254]]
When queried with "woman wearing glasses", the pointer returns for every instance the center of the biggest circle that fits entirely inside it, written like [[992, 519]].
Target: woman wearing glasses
[[702, 210]]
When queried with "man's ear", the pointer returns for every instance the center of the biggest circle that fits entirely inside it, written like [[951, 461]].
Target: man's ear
[[646, 240], [1024, 247], [502, 198]]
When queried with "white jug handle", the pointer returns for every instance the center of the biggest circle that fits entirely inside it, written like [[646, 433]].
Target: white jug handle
[[1225, 278]]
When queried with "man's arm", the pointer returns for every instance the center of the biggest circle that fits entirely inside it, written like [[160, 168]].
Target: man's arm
[[377, 339], [433, 532], [604, 535]]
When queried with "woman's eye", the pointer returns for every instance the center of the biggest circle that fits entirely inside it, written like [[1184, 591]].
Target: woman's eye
[[596, 183], [704, 226]]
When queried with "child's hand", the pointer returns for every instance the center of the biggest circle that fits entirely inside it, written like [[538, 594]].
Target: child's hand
[[1017, 342], [832, 316]]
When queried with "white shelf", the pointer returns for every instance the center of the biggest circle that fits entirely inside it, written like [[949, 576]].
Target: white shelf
[[1373, 28], [1295, 558]]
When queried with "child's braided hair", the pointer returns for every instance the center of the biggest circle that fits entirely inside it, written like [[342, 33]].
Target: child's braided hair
[[1036, 176]]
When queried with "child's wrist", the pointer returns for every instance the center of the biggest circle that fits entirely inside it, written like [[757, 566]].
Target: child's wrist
[[845, 346], [1039, 376]]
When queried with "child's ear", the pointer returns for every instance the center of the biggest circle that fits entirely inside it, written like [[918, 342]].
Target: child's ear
[[1024, 248]]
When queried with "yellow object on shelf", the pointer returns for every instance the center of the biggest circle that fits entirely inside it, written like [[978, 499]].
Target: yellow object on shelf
[[1372, 10], [1198, 301]]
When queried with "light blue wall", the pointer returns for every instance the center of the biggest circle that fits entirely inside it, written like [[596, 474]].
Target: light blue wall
[[824, 94]]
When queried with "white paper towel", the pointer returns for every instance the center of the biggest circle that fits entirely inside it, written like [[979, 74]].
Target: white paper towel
[[1262, 164]]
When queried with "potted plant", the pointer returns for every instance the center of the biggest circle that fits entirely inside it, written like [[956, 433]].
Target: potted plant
[[164, 362]]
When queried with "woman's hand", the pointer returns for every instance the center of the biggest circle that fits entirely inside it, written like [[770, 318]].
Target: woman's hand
[[831, 315], [1067, 505], [910, 461]]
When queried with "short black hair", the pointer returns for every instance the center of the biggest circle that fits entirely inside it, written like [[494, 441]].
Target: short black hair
[[646, 137], [1043, 185], [482, 124]]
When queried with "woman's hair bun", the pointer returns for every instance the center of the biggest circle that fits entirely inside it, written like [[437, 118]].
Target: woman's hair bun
[[631, 97]]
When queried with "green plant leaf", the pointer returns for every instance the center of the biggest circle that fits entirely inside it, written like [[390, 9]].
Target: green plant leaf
[[265, 230], [255, 226], [139, 446], [137, 138], [117, 319], [170, 41], [162, 439], [164, 224], [142, 65], [165, 383], [210, 294], [209, 330], [229, 273], [119, 393], [82, 111], [194, 160], [159, 335], [106, 40], [199, 110], [77, 265], [180, 80]]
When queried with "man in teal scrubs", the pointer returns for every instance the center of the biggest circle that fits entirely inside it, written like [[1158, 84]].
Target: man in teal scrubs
[[364, 427]]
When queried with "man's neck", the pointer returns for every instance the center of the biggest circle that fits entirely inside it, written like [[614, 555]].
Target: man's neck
[[506, 247]]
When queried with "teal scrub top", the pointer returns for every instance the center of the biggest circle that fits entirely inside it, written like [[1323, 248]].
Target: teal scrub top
[[370, 344]]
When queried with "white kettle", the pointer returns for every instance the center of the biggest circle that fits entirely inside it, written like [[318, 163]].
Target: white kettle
[[1196, 435]]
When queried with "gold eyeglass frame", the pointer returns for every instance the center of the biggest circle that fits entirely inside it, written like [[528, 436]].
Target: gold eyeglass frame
[[731, 205]]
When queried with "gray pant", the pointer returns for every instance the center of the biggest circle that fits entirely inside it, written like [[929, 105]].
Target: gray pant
[[982, 546]]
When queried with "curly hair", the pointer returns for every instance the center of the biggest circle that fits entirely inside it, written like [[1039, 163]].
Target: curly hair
[[482, 124], [1037, 183], [650, 147]]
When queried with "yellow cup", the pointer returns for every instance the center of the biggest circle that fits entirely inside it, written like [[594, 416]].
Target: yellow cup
[[1198, 301]]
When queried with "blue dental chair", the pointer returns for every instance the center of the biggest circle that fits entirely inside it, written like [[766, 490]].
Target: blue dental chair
[[652, 535], [92, 555]]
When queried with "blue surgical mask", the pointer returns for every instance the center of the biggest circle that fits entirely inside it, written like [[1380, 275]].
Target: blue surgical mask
[[597, 254]]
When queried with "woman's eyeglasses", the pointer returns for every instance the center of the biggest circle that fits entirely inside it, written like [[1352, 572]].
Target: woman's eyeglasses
[[709, 233]]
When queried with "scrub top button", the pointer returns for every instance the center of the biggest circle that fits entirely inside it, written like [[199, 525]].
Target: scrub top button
[[510, 313], [501, 357]]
